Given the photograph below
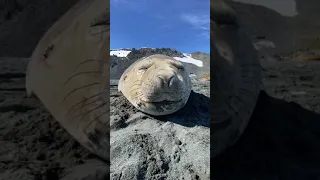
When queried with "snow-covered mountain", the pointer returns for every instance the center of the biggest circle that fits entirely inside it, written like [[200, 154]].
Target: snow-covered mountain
[[187, 57], [196, 63]]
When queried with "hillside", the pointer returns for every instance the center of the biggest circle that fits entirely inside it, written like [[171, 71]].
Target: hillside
[[196, 63]]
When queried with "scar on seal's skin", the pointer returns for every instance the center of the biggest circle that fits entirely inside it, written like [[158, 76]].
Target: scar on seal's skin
[[46, 53]]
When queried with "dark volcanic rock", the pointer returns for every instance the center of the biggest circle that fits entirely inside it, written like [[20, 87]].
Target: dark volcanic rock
[[143, 52]]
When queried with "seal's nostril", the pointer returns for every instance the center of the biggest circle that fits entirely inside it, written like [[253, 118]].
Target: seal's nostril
[[170, 81], [161, 81], [166, 80]]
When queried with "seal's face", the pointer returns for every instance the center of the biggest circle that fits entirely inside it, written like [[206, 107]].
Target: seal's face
[[157, 85], [162, 80]]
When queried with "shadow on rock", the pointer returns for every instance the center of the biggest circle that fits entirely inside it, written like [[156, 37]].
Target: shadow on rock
[[280, 142], [195, 113]]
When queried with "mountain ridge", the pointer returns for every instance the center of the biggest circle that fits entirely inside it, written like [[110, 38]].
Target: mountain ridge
[[197, 63]]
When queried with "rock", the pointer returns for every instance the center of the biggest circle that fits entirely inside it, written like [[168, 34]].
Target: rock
[[298, 93], [21, 174], [8, 151], [91, 169]]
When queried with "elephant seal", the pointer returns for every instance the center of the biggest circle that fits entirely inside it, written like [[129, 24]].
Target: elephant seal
[[68, 72], [156, 85], [235, 77]]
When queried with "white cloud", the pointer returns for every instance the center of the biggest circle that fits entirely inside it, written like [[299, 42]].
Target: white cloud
[[198, 21], [201, 22]]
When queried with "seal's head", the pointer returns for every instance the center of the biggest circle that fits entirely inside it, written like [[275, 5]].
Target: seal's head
[[156, 85]]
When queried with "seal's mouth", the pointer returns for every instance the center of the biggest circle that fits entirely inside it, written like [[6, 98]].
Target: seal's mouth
[[162, 102], [160, 97]]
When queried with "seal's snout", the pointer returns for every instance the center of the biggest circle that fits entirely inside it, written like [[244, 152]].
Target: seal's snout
[[167, 81]]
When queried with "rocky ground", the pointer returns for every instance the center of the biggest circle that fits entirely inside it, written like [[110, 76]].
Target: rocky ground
[[171, 147]]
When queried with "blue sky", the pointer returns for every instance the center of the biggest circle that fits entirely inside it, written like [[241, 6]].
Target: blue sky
[[183, 25]]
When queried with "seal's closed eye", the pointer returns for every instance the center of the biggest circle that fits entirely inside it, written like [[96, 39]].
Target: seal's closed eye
[[144, 68], [177, 65]]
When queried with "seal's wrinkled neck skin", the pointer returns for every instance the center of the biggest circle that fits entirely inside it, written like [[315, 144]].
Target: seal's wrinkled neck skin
[[157, 85]]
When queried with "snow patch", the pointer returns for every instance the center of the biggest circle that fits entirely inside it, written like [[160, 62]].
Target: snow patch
[[189, 59], [120, 53], [147, 48]]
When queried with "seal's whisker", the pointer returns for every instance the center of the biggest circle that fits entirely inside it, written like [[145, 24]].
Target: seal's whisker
[[79, 88], [135, 85], [90, 111], [96, 98], [80, 73], [98, 102], [88, 61], [81, 102], [137, 81], [100, 33], [103, 113], [82, 105], [133, 90]]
